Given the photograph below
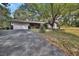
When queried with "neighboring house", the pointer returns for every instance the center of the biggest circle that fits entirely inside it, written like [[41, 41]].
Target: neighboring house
[[19, 24]]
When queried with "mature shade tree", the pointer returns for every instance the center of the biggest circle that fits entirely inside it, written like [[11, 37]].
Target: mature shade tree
[[39, 11], [51, 12], [4, 15], [20, 14], [66, 10]]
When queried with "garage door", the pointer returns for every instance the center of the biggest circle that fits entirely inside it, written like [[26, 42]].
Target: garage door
[[20, 26]]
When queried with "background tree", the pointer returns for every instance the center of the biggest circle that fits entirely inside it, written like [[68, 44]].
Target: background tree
[[4, 15]]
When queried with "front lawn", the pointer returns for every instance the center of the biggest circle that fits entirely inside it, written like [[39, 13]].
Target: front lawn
[[66, 39]]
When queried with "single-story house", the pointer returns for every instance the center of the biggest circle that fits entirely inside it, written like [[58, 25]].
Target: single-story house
[[20, 24]]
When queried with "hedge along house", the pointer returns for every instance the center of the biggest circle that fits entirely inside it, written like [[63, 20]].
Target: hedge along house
[[20, 24]]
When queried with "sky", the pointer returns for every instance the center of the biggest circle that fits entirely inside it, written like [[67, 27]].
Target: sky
[[14, 6]]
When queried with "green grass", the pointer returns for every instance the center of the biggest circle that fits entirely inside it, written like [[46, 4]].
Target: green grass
[[72, 31], [67, 41]]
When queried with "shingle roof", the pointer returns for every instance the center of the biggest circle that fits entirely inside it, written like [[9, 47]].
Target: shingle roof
[[21, 21]]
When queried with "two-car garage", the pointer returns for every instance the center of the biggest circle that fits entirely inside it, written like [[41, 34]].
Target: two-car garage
[[19, 25]]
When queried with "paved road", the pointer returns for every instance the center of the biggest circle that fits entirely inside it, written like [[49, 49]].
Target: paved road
[[25, 43]]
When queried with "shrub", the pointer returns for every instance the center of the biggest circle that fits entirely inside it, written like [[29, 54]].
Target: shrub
[[77, 23], [42, 29]]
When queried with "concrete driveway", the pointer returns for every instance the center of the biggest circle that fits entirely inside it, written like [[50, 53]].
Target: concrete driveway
[[25, 43]]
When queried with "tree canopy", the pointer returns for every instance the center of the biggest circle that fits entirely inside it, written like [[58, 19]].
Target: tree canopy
[[65, 13], [4, 15]]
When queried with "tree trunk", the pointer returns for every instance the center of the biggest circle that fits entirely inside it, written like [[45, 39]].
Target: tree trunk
[[53, 15], [52, 21]]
